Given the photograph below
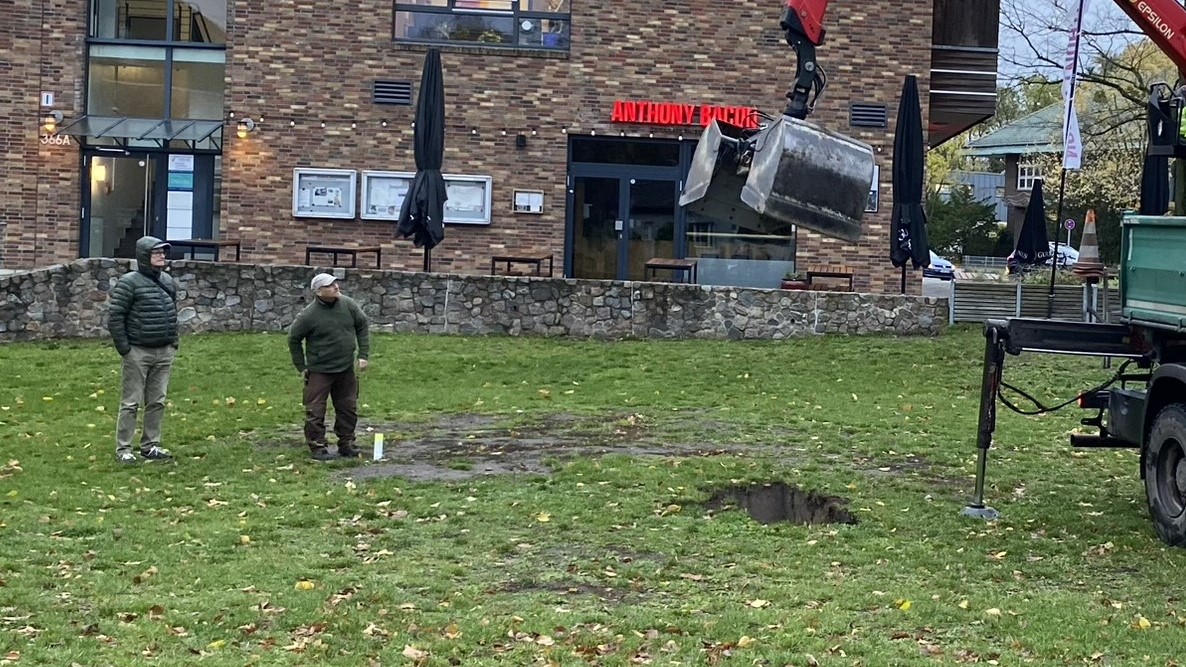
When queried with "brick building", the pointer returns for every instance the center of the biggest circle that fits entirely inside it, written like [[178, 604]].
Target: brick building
[[285, 124]]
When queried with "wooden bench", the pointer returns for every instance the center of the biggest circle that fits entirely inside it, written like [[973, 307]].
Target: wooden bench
[[828, 271], [345, 251], [685, 266], [536, 260], [206, 244]]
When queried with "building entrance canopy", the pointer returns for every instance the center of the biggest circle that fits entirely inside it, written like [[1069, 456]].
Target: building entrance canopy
[[136, 132]]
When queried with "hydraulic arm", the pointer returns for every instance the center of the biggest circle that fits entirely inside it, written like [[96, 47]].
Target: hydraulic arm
[[802, 21]]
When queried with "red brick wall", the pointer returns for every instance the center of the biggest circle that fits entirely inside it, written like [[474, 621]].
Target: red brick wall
[[41, 49], [310, 63]]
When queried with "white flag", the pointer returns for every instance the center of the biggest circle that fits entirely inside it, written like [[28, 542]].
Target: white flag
[[1072, 157], [1072, 148]]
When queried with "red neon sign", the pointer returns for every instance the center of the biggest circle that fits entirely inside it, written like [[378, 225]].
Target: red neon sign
[[674, 114]]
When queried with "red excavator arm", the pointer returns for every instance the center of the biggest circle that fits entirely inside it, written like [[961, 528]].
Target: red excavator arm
[[1164, 21], [803, 22]]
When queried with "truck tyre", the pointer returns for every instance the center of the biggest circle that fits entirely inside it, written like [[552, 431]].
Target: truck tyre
[[1165, 474]]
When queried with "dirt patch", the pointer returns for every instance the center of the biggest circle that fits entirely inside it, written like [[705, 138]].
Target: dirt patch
[[460, 447], [777, 502]]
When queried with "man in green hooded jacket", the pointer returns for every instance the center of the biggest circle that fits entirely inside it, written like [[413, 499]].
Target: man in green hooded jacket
[[142, 319]]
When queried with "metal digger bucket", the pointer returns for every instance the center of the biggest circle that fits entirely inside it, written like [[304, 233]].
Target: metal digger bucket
[[790, 173]]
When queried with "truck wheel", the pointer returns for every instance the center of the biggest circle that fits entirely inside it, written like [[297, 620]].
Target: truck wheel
[[1165, 474]]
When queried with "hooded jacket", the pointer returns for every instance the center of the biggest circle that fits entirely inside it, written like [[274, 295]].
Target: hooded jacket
[[142, 306]]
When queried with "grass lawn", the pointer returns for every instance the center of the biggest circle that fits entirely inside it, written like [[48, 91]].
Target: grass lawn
[[545, 502]]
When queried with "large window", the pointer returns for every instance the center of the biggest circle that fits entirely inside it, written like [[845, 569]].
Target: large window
[[1028, 172], [157, 59], [541, 24], [198, 21]]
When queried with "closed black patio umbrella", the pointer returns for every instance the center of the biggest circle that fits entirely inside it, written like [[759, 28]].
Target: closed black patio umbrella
[[1033, 241], [1155, 179], [908, 228], [422, 214]]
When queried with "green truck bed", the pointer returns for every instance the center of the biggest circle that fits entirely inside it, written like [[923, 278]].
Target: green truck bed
[[1153, 271]]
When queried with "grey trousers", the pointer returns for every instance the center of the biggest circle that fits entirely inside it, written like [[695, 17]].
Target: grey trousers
[[146, 373]]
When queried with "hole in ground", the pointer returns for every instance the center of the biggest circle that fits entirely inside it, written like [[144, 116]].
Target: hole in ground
[[774, 502]]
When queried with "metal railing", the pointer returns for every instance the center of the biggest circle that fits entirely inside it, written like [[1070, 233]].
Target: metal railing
[[983, 262]]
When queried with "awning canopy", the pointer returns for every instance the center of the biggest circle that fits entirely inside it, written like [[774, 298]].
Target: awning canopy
[[123, 130]]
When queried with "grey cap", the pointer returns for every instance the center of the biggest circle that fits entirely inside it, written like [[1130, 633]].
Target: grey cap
[[322, 280]]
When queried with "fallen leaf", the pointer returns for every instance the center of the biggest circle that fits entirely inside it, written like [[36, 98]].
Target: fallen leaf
[[758, 604], [414, 653], [746, 641], [992, 612], [304, 585], [543, 517]]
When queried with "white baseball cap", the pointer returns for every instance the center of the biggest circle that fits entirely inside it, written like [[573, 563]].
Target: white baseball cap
[[322, 280]]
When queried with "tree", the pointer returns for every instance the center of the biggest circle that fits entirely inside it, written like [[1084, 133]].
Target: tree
[[958, 224]]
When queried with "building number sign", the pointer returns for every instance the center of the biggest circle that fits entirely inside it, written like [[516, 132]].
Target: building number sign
[[55, 140]]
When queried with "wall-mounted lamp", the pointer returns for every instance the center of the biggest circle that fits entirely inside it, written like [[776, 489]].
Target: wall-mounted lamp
[[50, 121], [98, 172], [246, 125]]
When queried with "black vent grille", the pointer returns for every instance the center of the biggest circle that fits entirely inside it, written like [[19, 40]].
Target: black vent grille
[[863, 114], [392, 92]]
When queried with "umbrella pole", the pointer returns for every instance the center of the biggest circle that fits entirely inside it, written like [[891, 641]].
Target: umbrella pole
[[1062, 188], [427, 259], [903, 278]]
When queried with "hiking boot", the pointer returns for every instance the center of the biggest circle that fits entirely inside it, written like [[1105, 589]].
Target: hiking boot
[[322, 454], [126, 458], [348, 452], [155, 453]]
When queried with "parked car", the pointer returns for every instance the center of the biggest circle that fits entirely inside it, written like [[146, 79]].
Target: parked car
[[1067, 256], [939, 268]]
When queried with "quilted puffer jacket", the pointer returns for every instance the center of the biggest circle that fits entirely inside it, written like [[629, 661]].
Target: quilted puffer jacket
[[142, 308]]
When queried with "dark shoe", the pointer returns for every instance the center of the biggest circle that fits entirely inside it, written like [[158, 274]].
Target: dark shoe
[[323, 454], [348, 452], [155, 453], [126, 458]]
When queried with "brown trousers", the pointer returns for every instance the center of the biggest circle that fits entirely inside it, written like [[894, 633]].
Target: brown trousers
[[342, 388]]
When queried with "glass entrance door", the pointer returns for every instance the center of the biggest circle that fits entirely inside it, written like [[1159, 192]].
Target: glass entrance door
[[123, 203], [620, 222], [651, 221], [597, 228]]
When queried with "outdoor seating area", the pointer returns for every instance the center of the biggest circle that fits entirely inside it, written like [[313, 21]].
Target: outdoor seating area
[[214, 245], [683, 268], [839, 273], [350, 252], [506, 262]]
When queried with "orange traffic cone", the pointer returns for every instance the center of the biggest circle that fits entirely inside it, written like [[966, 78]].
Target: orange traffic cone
[[1089, 266]]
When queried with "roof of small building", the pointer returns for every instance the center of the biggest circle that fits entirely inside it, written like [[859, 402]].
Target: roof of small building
[[1039, 132]]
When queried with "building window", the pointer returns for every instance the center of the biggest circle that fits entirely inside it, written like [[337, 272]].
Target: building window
[[157, 59], [1028, 172], [199, 22], [538, 24]]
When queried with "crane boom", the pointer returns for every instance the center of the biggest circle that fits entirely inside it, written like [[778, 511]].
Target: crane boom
[[1164, 21]]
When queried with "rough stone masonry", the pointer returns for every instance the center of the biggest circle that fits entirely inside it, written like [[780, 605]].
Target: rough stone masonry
[[70, 301]]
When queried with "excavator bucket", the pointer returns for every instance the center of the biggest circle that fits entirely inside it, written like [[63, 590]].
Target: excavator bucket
[[788, 173]]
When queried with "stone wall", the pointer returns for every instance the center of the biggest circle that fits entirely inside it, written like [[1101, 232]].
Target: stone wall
[[70, 300]]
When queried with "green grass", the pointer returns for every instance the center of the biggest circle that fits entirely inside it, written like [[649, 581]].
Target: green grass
[[602, 560]]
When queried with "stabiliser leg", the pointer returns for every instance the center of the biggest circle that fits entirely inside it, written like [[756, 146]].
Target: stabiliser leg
[[994, 361]]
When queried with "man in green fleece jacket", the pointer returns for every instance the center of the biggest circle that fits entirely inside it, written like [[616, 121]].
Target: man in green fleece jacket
[[323, 340]]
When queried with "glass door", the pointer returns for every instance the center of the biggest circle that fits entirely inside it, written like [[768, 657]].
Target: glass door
[[619, 222], [651, 222], [597, 227], [123, 203]]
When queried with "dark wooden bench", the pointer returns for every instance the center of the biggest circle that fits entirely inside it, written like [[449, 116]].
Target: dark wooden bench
[[535, 260], [828, 271], [345, 251], [216, 245], [687, 267]]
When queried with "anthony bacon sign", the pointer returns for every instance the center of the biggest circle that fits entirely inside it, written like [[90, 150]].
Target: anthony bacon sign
[[674, 113]]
